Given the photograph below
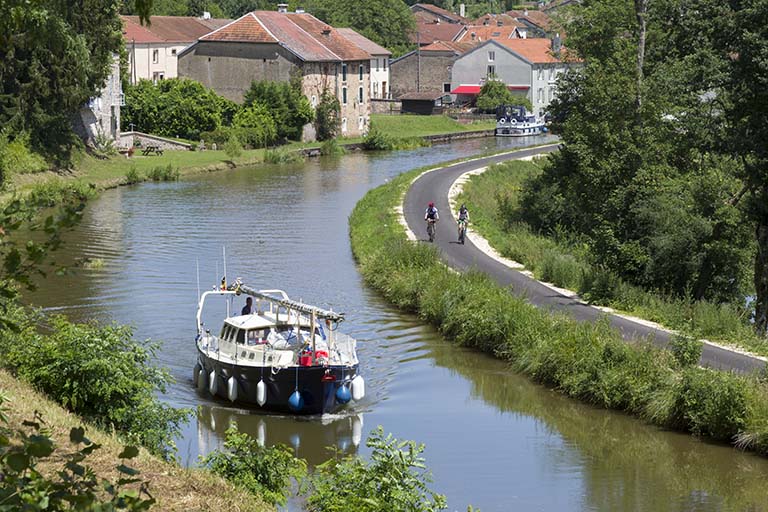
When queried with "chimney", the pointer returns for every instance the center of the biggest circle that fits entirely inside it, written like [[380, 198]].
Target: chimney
[[299, 10], [326, 30], [525, 12], [462, 10], [282, 7], [206, 15], [556, 45], [499, 23], [437, 21]]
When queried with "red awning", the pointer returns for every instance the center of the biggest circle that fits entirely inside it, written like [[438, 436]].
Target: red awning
[[466, 89], [518, 87]]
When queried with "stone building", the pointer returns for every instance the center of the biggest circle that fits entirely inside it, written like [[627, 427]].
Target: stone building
[[272, 45], [99, 119], [427, 69]]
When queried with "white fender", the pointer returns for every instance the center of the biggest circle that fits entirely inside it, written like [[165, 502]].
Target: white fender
[[232, 389], [358, 388], [202, 380], [261, 392], [261, 433], [357, 429], [196, 374], [213, 383]]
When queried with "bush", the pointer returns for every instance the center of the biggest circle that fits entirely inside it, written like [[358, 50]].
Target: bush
[[331, 147], [233, 148], [100, 373], [132, 176], [16, 157], [168, 173], [394, 479], [687, 351], [327, 116], [376, 139], [282, 156], [284, 103], [255, 126], [266, 472]]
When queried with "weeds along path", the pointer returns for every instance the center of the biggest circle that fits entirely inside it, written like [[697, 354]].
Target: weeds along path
[[434, 186]]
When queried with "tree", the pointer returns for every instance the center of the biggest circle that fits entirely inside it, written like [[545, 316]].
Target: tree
[[255, 126], [494, 92], [286, 104], [327, 116]]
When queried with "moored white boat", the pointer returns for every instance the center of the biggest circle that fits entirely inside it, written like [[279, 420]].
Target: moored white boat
[[514, 121], [284, 356]]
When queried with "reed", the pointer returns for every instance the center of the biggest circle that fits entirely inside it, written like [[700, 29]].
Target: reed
[[587, 361]]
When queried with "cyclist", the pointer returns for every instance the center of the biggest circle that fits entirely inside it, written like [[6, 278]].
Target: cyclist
[[463, 217], [431, 216]]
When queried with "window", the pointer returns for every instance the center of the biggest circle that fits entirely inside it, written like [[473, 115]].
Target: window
[[385, 63], [343, 125], [541, 73], [491, 56], [375, 90], [491, 70], [496, 34], [314, 101], [173, 52], [377, 63], [344, 95], [155, 56], [157, 76], [360, 124], [384, 92], [360, 72], [343, 72], [541, 95], [240, 336], [446, 87], [360, 94]]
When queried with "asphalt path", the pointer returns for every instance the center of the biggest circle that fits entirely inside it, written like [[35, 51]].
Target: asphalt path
[[434, 186]]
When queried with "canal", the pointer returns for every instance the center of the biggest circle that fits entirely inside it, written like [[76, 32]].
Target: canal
[[493, 439]]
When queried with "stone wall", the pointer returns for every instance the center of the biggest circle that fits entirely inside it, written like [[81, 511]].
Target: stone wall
[[428, 72], [128, 139], [380, 106]]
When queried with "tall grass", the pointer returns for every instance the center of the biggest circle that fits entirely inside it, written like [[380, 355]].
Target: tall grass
[[282, 156], [492, 198], [588, 361]]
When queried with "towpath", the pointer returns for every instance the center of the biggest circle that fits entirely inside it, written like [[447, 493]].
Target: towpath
[[435, 185]]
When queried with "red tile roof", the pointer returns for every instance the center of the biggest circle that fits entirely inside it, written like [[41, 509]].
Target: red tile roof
[[486, 32], [494, 19], [537, 50], [363, 42], [429, 32], [304, 35], [178, 29], [437, 11], [133, 32], [538, 18]]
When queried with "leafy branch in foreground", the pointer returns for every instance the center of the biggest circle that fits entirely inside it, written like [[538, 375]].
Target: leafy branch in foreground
[[394, 479], [73, 487]]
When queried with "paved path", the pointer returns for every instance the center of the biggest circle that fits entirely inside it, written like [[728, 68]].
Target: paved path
[[434, 186]]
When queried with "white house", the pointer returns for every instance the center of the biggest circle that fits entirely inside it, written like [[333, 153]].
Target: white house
[[380, 82], [153, 49]]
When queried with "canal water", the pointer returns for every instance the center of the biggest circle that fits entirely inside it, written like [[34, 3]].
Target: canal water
[[493, 439]]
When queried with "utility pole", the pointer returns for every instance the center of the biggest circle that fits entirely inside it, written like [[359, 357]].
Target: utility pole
[[418, 60]]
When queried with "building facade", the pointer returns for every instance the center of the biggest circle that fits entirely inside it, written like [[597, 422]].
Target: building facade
[[272, 45], [379, 65], [99, 119], [428, 69]]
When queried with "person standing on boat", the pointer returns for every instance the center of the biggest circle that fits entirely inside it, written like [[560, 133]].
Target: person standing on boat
[[248, 305]]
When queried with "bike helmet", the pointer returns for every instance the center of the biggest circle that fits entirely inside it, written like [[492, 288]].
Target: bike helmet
[[431, 204]]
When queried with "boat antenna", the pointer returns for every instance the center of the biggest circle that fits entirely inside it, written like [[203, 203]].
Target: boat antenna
[[224, 255]]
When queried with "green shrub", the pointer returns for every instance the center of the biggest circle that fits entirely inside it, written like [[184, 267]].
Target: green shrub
[[376, 139], [99, 373], [132, 176], [220, 136], [51, 192], [331, 147], [394, 479], [23, 486], [255, 126], [282, 156], [167, 173], [16, 157], [266, 472], [687, 351], [233, 148]]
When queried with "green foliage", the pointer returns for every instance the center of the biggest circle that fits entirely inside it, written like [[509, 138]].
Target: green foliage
[[233, 148], [327, 116], [285, 103], [16, 156], [99, 373], [56, 55], [177, 107], [376, 139], [282, 156], [394, 479], [74, 486], [686, 350], [255, 126], [167, 173], [494, 92], [387, 22], [132, 176], [331, 148], [266, 472]]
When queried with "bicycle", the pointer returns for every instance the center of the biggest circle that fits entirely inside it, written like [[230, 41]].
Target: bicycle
[[431, 229], [462, 230]]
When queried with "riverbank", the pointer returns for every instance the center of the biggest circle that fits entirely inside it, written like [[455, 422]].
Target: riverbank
[[175, 488], [493, 195], [587, 361], [102, 174]]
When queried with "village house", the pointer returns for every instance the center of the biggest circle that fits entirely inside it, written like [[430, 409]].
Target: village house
[[529, 67], [273, 45], [99, 119], [436, 24], [494, 26], [153, 49], [427, 69], [380, 83]]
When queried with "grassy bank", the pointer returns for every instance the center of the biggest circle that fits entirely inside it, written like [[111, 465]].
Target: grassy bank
[[173, 487], [587, 361], [419, 126], [493, 196]]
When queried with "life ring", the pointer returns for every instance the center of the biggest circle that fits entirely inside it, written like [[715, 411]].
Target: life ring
[[513, 121]]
